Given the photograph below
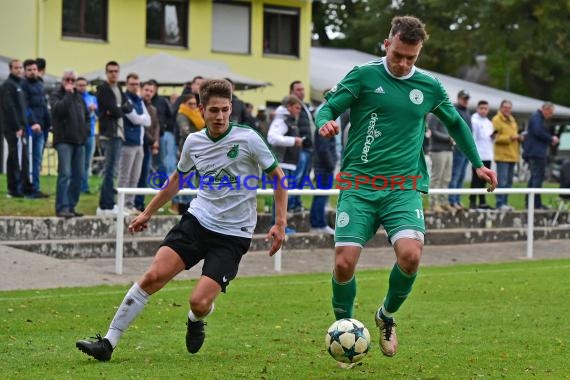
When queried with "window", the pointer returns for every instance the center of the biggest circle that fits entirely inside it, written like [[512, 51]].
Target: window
[[84, 18], [281, 31], [167, 22], [231, 27]]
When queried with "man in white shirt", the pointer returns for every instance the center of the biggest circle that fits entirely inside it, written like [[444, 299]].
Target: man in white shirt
[[218, 226], [484, 136]]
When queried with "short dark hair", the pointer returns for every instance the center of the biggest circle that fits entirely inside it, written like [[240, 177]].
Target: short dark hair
[[482, 103], [41, 62], [196, 78], [81, 78], [132, 75], [293, 85], [111, 63], [30, 62], [152, 82], [215, 88], [409, 29]]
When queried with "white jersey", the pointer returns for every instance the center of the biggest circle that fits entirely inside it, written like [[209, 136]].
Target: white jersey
[[225, 171]]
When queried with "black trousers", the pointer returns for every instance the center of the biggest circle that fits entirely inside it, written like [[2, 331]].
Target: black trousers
[[477, 183], [17, 171]]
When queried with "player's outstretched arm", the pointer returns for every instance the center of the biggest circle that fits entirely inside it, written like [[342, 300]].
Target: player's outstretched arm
[[276, 234], [140, 222], [329, 129], [489, 176]]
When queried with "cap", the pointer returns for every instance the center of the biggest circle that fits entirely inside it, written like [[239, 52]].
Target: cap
[[261, 108], [463, 94]]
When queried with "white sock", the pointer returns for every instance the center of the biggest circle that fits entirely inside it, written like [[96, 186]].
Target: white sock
[[384, 313], [194, 318], [132, 305]]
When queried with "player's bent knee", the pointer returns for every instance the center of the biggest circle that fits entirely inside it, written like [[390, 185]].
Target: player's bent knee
[[200, 306]]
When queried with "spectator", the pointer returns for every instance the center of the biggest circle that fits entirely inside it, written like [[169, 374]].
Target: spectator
[[192, 87], [132, 153], [441, 153], [113, 106], [91, 103], [284, 137], [250, 120], [168, 151], [188, 120], [151, 143], [324, 162], [239, 114], [13, 107], [482, 129], [306, 127], [262, 121], [70, 131], [459, 165], [39, 121], [536, 143], [506, 150]]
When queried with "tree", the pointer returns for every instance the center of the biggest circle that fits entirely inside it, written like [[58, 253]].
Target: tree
[[525, 41]]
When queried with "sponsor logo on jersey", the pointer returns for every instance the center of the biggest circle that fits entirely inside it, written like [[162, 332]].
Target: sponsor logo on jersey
[[416, 96], [342, 219], [233, 152], [379, 90], [371, 135]]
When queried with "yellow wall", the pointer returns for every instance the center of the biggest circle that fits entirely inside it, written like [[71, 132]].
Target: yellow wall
[[126, 40], [18, 28]]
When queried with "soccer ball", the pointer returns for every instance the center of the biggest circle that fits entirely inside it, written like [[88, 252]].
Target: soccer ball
[[347, 340]]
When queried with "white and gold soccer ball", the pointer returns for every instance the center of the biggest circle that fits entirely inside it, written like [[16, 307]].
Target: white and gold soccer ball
[[347, 340]]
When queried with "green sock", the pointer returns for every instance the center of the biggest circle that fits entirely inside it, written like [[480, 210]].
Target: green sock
[[343, 297], [399, 286]]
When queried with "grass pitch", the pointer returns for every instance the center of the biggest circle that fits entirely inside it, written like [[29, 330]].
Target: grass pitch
[[461, 322]]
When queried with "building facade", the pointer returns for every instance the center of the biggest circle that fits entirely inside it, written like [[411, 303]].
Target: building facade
[[268, 40]]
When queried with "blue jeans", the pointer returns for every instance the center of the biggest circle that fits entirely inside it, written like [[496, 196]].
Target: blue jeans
[[89, 150], [168, 153], [505, 173], [318, 217], [38, 143], [112, 152], [458, 169], [300, 174], [70, 159], [537, 170]]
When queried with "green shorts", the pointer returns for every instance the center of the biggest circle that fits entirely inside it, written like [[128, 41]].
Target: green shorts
[[360, 214]]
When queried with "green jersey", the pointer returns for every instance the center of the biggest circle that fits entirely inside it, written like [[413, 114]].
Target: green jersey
[[387, 115]]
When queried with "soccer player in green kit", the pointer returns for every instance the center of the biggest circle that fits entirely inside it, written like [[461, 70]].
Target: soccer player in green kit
[[383, 170]]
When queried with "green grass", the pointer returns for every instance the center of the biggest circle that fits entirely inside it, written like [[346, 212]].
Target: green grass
[[88, 202], [461, 322]]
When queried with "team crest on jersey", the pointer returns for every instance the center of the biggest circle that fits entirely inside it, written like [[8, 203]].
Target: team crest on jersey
[[233, 152], [416, 96], [342, 219]]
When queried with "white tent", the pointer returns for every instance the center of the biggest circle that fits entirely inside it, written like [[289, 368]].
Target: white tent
[[169, 70], [329, 65]]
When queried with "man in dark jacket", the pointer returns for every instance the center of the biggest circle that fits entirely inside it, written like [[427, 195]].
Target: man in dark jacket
[[39, 121], [13, 113], [324, 163], [306, 128], [112, 107], [70, 131], [535, 148], [460, 160], [168, 152]]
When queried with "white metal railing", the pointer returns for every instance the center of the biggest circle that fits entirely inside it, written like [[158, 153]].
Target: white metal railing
[[265, 192]]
